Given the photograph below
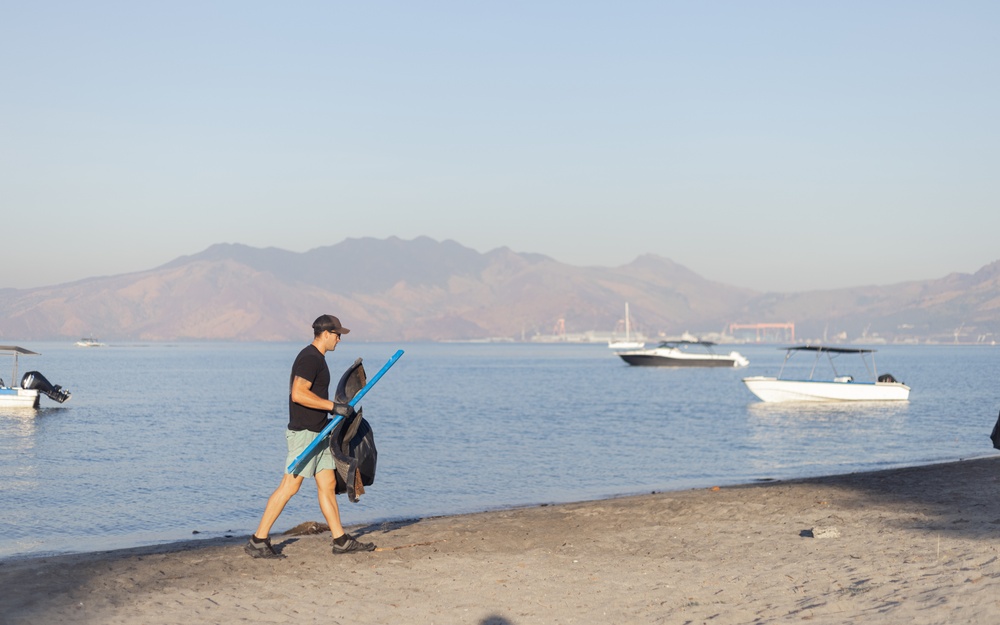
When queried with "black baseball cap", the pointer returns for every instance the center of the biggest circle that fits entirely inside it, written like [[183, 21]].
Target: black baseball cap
[[328, 323]]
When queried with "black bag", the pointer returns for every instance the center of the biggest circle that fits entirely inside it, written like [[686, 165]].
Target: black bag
[[352, 441], [995, 436], [353, 445]]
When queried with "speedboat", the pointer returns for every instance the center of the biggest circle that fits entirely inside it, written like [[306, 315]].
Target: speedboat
[[683, 354], [89, 342], [841, 388], [33, 384]]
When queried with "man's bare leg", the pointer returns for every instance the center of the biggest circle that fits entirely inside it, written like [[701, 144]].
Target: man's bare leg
[[326, 487], [290, 485], [326, 492]]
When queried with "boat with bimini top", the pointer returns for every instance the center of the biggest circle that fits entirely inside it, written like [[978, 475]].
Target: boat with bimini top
[[32, 385], [841, 387]]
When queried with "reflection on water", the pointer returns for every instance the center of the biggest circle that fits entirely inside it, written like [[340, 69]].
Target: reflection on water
[[17, 424], [803, 434], [808, 410], [18, 439]]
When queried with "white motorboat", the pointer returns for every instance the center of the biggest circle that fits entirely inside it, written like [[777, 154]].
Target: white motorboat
[[683, 354], [841, 388], [89, 342], [628, 342], [33, 384]]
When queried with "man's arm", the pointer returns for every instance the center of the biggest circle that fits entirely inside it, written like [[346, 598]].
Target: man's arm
[[302, 394]]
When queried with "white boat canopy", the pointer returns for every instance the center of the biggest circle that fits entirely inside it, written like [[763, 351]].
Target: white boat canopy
[[824, 348], [831, 352], [14, 349]]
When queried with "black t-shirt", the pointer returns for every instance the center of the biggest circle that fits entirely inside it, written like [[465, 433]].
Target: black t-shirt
[[309, 365]]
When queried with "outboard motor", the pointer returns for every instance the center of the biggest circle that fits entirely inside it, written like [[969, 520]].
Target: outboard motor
[[36, 380]]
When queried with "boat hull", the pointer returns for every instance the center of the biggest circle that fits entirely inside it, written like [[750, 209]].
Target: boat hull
[[626, 345], [775, 390], [18, 398], [656, 360]]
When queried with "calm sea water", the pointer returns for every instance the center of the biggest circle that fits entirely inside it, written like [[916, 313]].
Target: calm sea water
[[163, 440]]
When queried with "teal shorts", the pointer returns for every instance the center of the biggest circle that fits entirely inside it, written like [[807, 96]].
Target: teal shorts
[[320, 459]]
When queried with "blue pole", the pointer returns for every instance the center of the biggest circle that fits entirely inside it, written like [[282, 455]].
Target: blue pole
[[301, 458]]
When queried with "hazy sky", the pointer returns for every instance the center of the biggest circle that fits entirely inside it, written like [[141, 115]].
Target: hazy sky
[[781, 146]]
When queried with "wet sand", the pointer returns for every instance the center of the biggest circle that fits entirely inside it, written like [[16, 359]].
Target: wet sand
[[915, 545]]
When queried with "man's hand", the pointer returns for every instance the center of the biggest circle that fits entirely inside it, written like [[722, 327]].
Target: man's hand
[[344, 410]]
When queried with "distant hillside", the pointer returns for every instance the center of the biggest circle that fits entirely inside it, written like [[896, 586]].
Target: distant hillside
[[391, 289], [959, 307]]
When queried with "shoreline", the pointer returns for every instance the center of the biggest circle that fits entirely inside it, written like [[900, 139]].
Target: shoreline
[[220, 536], [915, 544], [192, 543]]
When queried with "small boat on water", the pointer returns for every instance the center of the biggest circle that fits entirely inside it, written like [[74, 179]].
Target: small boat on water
[[683, 353], [89, 342], [840, 388], [33, 384], [628, 342]]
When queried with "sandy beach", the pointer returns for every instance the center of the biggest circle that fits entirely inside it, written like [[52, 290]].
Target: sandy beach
[[914, 545]]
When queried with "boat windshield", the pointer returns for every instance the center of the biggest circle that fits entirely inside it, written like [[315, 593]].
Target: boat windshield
[[685, 343]]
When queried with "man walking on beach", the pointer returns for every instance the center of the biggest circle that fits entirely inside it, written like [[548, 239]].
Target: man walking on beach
[[308, 406]]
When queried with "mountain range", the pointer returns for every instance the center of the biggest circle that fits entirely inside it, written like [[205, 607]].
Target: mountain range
[[423, 289]]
